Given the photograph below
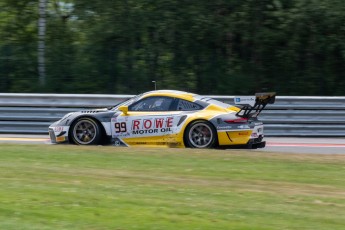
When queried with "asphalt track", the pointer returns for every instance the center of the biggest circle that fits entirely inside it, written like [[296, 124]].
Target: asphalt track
[[281, 144]]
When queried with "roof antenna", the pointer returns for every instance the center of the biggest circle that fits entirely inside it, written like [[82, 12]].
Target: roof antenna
[[155, 84]]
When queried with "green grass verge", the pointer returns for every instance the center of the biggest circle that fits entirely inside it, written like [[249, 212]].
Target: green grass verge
[[73, 187]]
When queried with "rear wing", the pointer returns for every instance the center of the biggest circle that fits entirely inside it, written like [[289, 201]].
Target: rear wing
[[253, 105]]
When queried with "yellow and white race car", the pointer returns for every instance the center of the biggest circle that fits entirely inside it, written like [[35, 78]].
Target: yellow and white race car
[[168, 118]]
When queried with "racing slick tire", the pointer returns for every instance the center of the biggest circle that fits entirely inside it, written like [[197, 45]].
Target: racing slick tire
[[200, 134], [85, 131]]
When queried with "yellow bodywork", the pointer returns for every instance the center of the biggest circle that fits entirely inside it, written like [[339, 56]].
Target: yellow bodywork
[[233, 137]]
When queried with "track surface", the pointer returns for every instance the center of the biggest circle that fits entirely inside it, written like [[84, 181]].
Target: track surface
[[281, 144], [306, 145]]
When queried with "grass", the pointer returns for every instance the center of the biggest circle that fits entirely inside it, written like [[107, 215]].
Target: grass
[[73, 187]]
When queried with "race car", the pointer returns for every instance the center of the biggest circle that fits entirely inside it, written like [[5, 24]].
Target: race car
[[168, 118]]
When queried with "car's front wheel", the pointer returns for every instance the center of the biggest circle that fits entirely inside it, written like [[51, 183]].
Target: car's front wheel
[[85, 131], [200, 134]]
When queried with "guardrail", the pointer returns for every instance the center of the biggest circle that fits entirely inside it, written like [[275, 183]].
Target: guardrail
[[289, 116]]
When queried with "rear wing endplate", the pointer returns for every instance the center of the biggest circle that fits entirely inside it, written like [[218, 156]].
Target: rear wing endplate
[[253, 105]]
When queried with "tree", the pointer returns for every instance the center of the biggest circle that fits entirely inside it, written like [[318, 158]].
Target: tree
[[294, 47]]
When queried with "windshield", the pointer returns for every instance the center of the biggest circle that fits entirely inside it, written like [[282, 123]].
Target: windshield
[[127, 102]]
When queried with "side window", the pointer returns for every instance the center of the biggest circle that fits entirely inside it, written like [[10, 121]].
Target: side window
[[184, 105], [152, 104]]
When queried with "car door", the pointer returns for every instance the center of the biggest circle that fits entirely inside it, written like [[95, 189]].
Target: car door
[[151, 120]]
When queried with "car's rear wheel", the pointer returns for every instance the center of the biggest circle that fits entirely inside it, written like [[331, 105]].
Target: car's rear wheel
[[86, 131], [200, 134]]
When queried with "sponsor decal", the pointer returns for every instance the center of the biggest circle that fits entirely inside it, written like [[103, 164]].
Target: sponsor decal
[[243, 133], [60, 139], [245, 100], [232, 127], [140, 143], [152, 125], [145, 131], [58, 129], [118, 142], [224, 127], [144, 126], [243, 127], [170, 144]]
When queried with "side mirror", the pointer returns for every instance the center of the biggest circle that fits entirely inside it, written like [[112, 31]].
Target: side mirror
[[124, 109]]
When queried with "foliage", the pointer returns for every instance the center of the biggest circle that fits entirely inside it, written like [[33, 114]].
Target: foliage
[[294, 47]]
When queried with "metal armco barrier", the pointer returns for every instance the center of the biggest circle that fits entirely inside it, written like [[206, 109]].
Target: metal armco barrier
[[289, 116]]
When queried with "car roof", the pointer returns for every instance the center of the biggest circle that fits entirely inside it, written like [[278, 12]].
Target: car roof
[[189, 97], [171, 93]]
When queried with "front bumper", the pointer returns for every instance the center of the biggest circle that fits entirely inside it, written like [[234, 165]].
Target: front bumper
[[58, 134]]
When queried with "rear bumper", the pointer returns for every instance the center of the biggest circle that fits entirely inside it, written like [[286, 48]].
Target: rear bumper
[[258, 145], [254, 143]]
